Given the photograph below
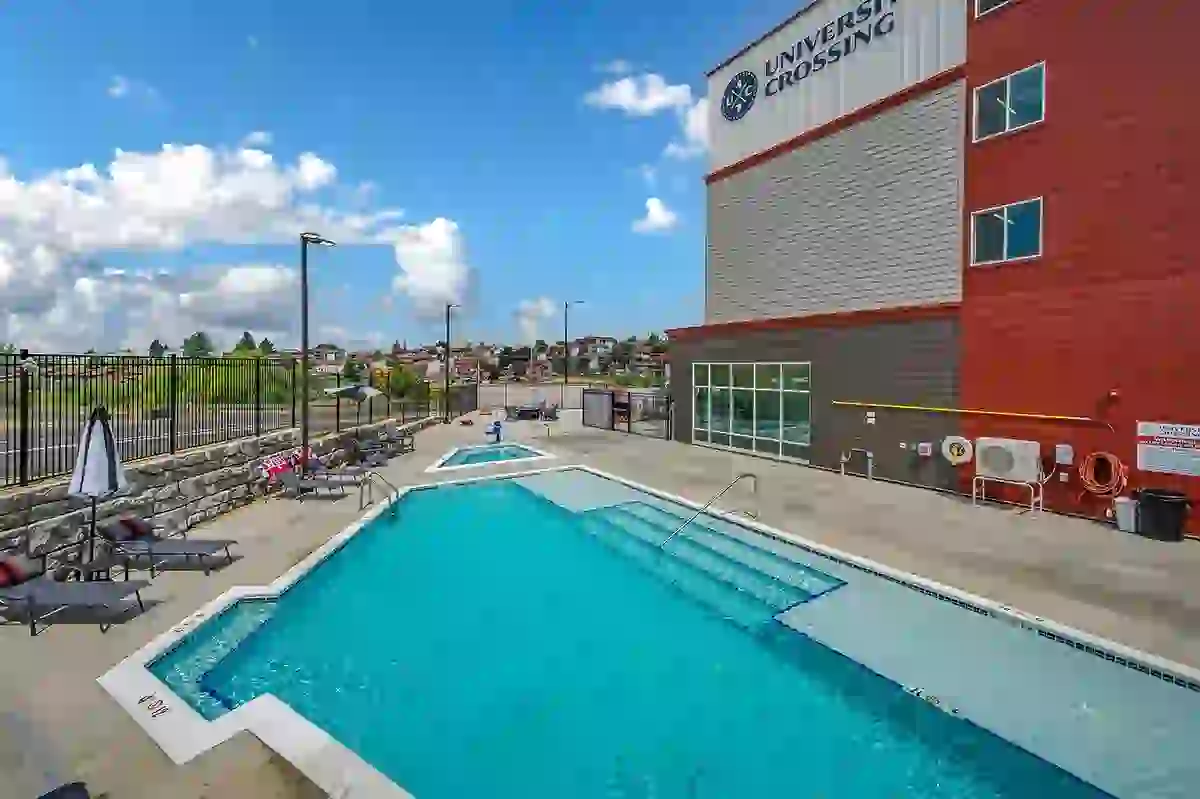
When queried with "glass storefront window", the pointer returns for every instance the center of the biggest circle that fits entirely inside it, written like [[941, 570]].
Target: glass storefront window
[[719, 413], [762, 407], [701, 409], [766, 419], [766, 375], [743, 412], [795, 376]]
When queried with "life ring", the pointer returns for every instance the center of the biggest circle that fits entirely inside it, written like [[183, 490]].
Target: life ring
[[957, 450]]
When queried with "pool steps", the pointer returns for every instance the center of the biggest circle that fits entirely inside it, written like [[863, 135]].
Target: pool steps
[[744, 583], [209, 644]]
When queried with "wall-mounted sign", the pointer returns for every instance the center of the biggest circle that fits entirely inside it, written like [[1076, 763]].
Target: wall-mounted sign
[[1168, 448], [827, 45]]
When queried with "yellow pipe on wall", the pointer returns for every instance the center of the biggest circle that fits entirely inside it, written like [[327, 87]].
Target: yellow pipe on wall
[[970, 412]]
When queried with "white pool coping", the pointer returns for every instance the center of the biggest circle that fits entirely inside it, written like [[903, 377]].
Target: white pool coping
[[183, 734], [539, 455]]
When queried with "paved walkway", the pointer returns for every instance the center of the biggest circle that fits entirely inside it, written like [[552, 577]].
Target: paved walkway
[[1142, 593]]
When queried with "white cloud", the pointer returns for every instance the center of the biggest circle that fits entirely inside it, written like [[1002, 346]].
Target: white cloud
[[121, 87], [658, 218], [531, 313], [618, 66], [180, 195], [257, 138], [82, 306], [350, 340], [433, 267], [649, 175], [694, 122], [57, 227], [640, 95], [118, 86], [649, 94], [313, 173]]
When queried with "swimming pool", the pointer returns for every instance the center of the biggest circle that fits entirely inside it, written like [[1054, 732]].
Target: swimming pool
[[485, 454], [526, 636]]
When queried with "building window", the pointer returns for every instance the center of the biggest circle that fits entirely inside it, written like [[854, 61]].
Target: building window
[[985, 6], [1013, 102], [758, 407], [1009, 233]]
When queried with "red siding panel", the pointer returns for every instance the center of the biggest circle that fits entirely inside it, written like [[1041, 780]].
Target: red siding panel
[[1114, 302]]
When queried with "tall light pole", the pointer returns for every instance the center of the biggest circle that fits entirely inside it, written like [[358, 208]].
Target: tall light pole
[[305, 240], [566, 349], [446, 369]]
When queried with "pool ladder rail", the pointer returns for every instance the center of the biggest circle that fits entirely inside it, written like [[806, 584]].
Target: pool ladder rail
[[371, 479], [751, 514]]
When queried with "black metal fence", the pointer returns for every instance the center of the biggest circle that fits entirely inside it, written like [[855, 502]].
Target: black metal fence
[[164, 405], [645, 413]]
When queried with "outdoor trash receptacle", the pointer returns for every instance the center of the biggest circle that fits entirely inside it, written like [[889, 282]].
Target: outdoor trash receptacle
[[1162, 513]]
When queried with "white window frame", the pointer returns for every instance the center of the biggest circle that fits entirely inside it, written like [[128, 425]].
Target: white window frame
[[1041, 201], [754, 421], [976, 138], [979, 13]]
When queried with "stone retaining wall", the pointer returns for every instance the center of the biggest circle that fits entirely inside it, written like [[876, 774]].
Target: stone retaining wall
[[175, 492]]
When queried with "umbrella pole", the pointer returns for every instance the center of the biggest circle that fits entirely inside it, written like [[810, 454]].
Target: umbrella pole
[[92, 539]]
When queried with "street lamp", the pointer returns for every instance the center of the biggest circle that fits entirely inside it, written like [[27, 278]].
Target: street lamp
[[305, 240], [446, 369], [566, 349]]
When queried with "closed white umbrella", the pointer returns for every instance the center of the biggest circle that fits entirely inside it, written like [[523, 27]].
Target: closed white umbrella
[[98, 471]]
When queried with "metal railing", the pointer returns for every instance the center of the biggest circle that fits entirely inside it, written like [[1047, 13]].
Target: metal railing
[[713, 499], [162, 405], [372, 478]]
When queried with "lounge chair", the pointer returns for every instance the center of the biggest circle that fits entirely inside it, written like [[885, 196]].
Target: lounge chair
[[314, 482], [132, 540], [42, 596], [361, 457], [400, 440]]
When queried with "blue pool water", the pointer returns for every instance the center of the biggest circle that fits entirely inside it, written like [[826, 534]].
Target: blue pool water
[[486, 642], [494, 453]]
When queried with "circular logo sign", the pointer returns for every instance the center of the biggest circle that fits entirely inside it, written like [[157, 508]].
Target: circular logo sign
[[739, 95], [957, 449]]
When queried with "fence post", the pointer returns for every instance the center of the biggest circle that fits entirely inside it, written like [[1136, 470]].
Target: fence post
[[172, 400], [22, 419], [258, 396], [337, 406], [293, 421]]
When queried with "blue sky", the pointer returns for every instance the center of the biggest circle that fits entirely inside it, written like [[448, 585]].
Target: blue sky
[[474, 113]]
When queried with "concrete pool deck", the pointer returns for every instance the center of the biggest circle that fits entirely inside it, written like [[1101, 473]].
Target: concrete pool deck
[[1085, 575]]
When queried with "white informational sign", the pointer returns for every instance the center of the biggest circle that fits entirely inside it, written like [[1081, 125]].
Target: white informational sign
[[1169, 448]]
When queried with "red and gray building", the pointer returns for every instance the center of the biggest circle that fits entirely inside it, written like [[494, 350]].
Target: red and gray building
[[980, 211]]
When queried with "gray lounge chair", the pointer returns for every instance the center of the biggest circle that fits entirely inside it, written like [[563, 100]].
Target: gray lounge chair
[[400, 440], [42, 597], [127, 552], [363, 456], [314, 482]]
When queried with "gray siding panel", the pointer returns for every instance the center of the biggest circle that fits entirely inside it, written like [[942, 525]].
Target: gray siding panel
[[866, 218], [900, 363]]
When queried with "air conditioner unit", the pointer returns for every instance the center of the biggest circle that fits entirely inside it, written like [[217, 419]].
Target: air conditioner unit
[[1008, 459]]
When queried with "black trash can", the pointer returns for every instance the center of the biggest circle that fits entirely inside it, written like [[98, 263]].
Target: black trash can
[[1162, 513]]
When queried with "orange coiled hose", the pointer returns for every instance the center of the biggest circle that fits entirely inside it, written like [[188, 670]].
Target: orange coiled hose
[[1118, 474]]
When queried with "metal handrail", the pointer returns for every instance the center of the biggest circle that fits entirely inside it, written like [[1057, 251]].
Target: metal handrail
[[714, 498], [373, 475]]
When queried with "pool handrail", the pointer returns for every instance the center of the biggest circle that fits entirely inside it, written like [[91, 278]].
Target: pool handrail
[[713, 499]]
